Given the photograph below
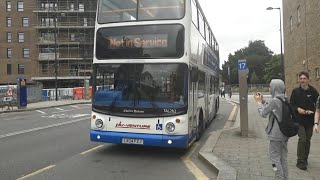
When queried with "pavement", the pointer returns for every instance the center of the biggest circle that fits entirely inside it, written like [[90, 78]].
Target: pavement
[[246, 158], [43, 105]]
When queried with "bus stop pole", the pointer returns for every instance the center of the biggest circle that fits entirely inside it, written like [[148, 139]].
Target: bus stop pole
[[243, 96]]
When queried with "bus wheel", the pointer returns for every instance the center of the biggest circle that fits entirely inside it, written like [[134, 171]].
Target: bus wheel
[[200, 127]]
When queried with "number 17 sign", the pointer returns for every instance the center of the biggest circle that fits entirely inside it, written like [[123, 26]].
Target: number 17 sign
[[242, 64]]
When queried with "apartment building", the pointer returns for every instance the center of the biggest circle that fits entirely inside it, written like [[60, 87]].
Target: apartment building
[[17, 39], [65, 31], [301, 40], [39, 36]]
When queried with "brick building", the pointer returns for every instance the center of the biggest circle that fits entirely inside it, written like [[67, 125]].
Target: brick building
[[301, 40], [38, 35], [17, 39]]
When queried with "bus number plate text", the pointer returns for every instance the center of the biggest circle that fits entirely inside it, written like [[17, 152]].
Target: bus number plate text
[[132, 141]]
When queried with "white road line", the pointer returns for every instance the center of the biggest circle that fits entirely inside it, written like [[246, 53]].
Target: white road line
[[41, 112], [59, 109], [37, 172], [41, 128], [75, 106]]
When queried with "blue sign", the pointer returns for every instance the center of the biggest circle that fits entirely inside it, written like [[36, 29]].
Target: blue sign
[[22, 93], [242, 65], [158, 126]]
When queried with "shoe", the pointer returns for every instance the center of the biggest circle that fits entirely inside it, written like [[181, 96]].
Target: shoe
[[301, 165]]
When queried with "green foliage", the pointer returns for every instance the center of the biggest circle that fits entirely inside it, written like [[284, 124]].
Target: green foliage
[[261, 63], [273, 68], [254, 78]]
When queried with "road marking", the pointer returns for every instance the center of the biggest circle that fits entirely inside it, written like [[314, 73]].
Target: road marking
[[59, 109], [41, 128], [76, 107], [41, 112], [95, 148], [191, 166], [37, 172], [231, 117]]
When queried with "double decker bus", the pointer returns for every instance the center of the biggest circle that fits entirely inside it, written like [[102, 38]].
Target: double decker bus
[[155, 74]]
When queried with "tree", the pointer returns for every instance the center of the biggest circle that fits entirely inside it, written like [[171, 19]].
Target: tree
[[254, 78], [257, 55], [273, 68]]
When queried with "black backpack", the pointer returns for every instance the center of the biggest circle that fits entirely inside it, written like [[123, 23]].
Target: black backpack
[[289, 125]]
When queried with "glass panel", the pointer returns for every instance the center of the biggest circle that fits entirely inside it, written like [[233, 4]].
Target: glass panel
[[132, 10], [194, 13], [151, 88], [201, 24], [160, 9], [154, 41]]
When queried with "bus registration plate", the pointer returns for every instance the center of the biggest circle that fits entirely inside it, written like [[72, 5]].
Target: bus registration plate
[[132, 141]]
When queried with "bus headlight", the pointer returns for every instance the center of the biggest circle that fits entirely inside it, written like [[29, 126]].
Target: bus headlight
[[170, 127], [99, 123]]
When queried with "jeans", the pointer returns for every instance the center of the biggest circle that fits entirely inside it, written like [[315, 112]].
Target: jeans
[[305, 134]]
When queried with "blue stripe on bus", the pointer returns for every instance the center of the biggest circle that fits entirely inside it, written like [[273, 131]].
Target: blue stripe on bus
[[178, 141]]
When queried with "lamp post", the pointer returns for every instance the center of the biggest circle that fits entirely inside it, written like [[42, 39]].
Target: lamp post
[[55, 55], [282, 60]]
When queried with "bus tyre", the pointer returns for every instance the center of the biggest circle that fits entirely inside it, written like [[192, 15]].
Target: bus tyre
[[200, 128]]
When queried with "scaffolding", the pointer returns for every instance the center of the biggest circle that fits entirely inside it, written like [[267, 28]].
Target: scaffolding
[[65, 32]]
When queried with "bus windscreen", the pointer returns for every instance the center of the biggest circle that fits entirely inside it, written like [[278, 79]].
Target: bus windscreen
[[139, 10], [141, 89]]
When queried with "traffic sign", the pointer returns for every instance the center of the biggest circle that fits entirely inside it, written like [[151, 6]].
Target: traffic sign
[[242, 64]]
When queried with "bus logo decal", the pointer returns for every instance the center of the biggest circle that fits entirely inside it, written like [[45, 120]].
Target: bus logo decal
[[132, 126], [158, 126]]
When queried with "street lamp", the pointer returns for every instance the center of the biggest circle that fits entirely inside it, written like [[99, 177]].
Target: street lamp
[[55, 54], [282, 61]]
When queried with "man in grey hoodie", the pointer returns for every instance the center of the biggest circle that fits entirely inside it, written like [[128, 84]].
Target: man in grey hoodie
[[278, 150]]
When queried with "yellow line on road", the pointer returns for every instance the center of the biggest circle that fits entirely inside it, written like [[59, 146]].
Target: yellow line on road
[[191, 166], [37, 172], [92, 149], [231, 117]]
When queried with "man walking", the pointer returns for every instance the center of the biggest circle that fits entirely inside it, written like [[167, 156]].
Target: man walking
[[303, 100], [278, 147]]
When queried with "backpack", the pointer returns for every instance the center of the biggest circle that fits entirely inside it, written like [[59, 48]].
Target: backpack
[[289, 125]]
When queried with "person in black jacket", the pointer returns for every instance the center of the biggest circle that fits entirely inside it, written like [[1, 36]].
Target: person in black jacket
[[303, 100]]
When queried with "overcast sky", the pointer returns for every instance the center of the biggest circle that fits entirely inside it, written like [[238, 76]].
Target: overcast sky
[[236, 22]]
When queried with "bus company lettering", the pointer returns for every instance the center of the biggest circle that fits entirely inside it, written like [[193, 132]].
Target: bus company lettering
[[132, 126], [133, 111], [139, 41]]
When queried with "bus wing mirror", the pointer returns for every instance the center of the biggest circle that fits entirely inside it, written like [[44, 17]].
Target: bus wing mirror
[[194, 74]]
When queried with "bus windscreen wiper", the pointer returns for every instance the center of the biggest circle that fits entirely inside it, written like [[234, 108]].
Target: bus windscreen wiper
[[117, 97], [150, 100]]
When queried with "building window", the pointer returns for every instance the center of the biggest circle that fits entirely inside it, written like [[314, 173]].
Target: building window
[[25, 22], [81, 7], [291, 24], [20, 5], [9, 6], [26, 53], [20, 68], [9, 72], [9, 37], [9, 22], [20, 37], [298, 15], [9, 53]]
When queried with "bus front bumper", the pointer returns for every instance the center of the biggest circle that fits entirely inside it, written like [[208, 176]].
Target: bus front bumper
[[174, 141]]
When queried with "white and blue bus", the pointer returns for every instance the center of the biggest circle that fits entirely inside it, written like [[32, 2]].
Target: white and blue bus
[[161, 62]]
